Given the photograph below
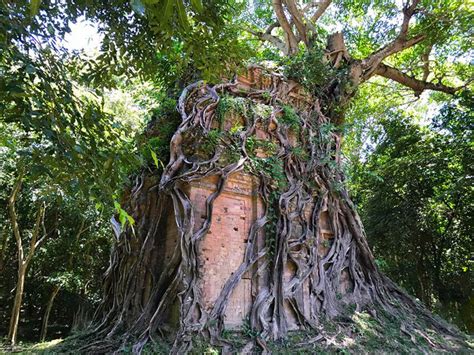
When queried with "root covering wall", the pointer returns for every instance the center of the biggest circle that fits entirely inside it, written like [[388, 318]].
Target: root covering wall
[[248, 226]]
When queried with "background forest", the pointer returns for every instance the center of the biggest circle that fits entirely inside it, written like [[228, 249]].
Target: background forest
[[71, 139]]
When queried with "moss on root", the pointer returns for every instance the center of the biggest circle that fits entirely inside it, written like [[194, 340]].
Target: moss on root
[[361, 332]]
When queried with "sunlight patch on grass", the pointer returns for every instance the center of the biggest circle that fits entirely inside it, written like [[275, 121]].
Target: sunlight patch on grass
[[362, 320], [348, 342], [46, 345], [211, 351]]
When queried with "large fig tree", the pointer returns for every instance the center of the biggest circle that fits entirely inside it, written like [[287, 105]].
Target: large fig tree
[[299, 177], [296, 165]]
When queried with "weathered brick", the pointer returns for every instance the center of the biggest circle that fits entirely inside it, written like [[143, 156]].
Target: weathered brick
[[221, 251]]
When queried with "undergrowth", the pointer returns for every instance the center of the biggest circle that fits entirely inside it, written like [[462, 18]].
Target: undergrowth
[[373, 331]]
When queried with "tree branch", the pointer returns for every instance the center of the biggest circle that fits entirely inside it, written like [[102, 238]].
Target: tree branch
[[400, 43], [292, 42], [13, 216], [396, 46], [415, 84], [303, 26], [323, 5], [426, 62], [266, 36], [34, 243], [336, 49], [408, 12], [272, 27], [298, 19]]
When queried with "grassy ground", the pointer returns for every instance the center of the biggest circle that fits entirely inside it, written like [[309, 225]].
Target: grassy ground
[[360, 333], [46, 347]]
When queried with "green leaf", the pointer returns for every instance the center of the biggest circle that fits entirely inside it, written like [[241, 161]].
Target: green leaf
[[182, 16], [15, 90], [130, 220], [34, 7], [50, 29], [123, 218], [166, 11], [157, 161], [197, 5]]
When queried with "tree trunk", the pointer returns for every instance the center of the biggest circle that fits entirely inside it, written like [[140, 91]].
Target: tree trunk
[[49, 306], [23, 261], [15, 315], [305, 246], [3, 247], [56, 288], [22, 266]]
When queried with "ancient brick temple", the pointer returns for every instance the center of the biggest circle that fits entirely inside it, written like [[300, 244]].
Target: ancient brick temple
[[221, 251]]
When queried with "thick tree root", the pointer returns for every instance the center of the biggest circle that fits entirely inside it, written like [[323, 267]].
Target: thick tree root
[[308, 221]]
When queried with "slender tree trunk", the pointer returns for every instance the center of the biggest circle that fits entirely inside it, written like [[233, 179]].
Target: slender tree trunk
[[23, 261], [49, 306], [15, 316], [4, 245], [56, 288]]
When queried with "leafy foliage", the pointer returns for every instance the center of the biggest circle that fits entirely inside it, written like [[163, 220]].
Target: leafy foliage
[[415, 194], [70, 121], [310, 69], [75, 150]]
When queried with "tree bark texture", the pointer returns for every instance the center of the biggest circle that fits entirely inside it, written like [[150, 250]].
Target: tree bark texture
[[49, 306], [15, 316], [23, 260]]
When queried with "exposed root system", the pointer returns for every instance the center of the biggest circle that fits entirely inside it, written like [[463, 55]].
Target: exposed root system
[[308, 220]]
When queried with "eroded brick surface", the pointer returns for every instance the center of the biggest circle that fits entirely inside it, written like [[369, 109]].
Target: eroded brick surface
[[222, 249]]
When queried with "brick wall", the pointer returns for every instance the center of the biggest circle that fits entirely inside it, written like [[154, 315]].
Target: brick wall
[[221, 250]]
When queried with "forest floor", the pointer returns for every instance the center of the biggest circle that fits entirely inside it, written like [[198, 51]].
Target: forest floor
[[31, 348], [361, 333]]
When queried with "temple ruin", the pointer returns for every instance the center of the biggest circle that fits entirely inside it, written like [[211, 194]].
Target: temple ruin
[[222, 249]]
